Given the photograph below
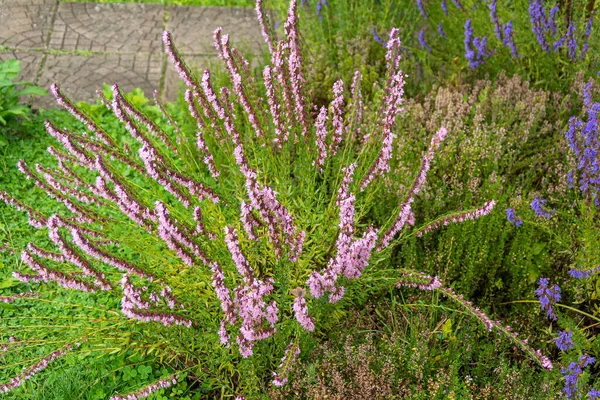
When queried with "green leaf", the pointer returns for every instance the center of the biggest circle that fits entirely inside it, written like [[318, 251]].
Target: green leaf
[[8, 306], [537, 248], [34, 90], [9, 282]]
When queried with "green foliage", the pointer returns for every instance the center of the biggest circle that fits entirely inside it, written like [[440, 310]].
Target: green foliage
[[10, 94]]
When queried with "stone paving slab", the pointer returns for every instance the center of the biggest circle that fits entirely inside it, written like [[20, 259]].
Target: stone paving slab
[[193, 27], [80, 76], [24, 25], [113, 27], [82, 45], [30, 63]]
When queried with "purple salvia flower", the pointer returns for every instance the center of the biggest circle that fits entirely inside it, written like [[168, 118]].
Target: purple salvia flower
[[475, 47], [441, 31], [548, 296], [320, 5], [422, 40], [539, 22], [571, 41], [287, 363], [572, 373], [458, 4], [513, 218], [586, 37], [445, 7], [509, 39], [537, 206], [421, 8], [593, 394], [378, 38], [551, 23], [564, 341], [495, 20]]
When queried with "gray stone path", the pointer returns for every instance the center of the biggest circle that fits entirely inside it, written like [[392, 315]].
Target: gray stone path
[[83, 45]]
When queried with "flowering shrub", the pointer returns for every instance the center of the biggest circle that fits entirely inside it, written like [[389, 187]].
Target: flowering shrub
[[230, 237]]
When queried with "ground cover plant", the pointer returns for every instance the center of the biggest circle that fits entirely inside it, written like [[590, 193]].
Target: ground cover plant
[[531, 260], [267, 163]]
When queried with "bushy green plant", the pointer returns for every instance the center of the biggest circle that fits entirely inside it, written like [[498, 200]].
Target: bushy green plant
[[167, 216], [11, 95]]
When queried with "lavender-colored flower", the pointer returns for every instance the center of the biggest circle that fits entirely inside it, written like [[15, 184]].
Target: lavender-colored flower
[[441, 31], [572, 373], [422, 40], [378, 38], [594, 394], [539, 22], [445, 7], [571, 41], [320, 5], [586, 37], [512, 217], [537, 206], [458, 4], [548, 296], [495, 20], [421, 8], [508, 39], [475, 47], [564, 341]]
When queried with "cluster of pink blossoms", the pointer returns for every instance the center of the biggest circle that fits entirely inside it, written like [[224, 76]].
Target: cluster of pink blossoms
[[148, 390], [35, 368]]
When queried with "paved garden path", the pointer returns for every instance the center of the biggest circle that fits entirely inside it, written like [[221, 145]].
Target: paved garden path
[[83, 45]]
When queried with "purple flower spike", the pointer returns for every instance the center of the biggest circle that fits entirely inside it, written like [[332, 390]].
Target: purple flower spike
[[512, 217], [537, 206], [475, 47], [320, 6], [564, 341], [422, 40], [378, 38], [441, 31], [421, 8], [548, 296]]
